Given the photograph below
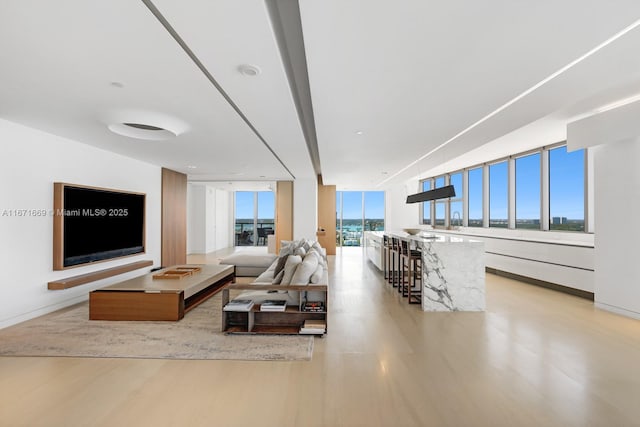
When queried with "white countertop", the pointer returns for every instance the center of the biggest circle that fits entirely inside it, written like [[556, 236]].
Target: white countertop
[[428, 237]]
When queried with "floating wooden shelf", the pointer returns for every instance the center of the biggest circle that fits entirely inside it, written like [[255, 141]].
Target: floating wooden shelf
[[81, 279]]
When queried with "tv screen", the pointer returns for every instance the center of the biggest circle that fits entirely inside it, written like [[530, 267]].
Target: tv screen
[[99, 224]]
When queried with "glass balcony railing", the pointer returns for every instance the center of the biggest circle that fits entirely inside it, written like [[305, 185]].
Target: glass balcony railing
[[249, 233]]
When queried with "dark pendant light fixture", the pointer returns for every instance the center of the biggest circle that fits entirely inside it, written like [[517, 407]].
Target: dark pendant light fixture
[[438, 193]]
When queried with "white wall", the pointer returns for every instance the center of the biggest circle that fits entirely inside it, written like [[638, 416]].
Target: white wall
[[305, 208], [211, 219], [399, 214], [196, 219], [31, 162], [617, 208], [224, 222], [208, 226]]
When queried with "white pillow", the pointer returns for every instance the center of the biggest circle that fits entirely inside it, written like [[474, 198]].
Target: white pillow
[[305, 270], [317, 275], [300, 251], [318, 255], [307, 244], [290, 267]]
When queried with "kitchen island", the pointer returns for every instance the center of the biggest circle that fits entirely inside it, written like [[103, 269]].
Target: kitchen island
[[453, 271]]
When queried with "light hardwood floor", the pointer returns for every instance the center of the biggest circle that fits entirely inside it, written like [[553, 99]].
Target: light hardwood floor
[[536, 357]]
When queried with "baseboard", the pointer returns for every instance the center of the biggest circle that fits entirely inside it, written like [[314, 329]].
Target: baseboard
[[617, 310], [537, 282]]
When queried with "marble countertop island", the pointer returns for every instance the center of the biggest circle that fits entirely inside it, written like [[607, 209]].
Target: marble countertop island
[[453, 271]]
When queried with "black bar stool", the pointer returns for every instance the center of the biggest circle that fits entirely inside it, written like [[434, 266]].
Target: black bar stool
[[412, 269], [394, 272]]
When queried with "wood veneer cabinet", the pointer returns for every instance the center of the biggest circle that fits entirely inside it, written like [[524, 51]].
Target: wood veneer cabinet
[[286, 322]]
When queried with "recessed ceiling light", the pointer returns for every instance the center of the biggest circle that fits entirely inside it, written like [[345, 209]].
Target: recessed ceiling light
[[249, 70], [385, 173], [359, 132], [192, 167], [117, 84]]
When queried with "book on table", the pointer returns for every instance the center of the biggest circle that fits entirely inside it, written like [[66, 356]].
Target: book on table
[[273, 305], [239, 305], [313, 327]]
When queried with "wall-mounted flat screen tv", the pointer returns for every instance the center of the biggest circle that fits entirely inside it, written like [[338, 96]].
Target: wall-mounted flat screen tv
[[96, 224]]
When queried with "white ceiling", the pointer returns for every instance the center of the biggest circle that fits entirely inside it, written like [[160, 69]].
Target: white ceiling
[[410, 75]]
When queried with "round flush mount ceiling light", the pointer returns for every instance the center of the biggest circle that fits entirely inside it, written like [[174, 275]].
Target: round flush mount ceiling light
[[146, 125], [249, 70]]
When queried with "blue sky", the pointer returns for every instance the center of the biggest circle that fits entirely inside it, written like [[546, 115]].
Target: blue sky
[[352, 204], [245, 200]]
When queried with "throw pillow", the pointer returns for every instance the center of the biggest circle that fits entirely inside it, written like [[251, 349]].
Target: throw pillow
[[287, 246], [277, 279], [300, 251], [318, 255], [319, 248], [305, 270], [280, 264], [290, 267], [317, 275]]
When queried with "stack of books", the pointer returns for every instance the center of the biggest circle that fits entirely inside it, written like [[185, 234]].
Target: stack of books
[[273, 305], [239, 305], [313, 306], [313, 327]]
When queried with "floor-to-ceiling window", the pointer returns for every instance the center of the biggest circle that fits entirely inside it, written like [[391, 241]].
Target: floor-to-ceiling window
[[542, 189], [475, 198], [374, 210], [358, 211], [427, 185], [440, 204], [566, 189], [528, 191], [455, 203], [254, 217], [498, 195]]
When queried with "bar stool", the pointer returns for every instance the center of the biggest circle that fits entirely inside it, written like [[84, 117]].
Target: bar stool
[[412, 265], [394, 271], [386, 247]]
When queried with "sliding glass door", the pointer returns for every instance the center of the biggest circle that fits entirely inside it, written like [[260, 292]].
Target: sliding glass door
[[254, 217], [356, 212]]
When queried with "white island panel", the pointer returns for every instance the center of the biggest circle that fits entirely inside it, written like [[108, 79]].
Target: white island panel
[[453, 271], [453, 276]]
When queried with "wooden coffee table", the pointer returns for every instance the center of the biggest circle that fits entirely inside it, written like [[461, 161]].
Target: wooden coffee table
[[147, 298]]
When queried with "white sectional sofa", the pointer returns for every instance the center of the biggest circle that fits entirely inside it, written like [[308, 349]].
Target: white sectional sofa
[[300, 262]]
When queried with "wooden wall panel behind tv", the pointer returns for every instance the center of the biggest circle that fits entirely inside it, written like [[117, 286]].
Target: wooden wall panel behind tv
[[174, 217]]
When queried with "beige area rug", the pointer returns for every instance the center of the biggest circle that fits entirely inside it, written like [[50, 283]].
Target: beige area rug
[[69, 332]]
